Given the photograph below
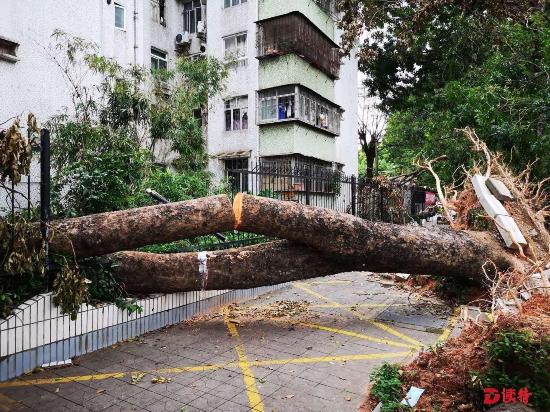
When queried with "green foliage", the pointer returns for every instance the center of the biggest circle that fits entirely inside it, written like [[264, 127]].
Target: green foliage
[[173, 185], [386, 387], [439, 66], [105, 288], [17, 289], [517, 361]]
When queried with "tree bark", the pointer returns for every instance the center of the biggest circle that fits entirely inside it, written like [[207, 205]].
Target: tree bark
[[109, 232], [372, 246], [253, 266]]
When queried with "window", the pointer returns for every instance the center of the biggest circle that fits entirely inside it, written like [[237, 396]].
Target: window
[[236, 171], [229, 3], [236, 113], [119, 17], [192, 14], [298, 103], [159, 60], [158, 11], [235, 49], [8, 50]]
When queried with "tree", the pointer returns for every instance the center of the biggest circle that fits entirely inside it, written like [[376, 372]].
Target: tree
[[370, 133], [441, 65]]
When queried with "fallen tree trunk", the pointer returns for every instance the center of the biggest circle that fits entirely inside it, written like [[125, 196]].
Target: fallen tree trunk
[[129, 229], [253, 266], [377, 247]]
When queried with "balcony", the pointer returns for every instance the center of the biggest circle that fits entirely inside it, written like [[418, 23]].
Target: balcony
[[296, 103], [295, 34]]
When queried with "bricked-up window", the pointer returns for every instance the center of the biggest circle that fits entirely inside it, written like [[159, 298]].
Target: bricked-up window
[[298, 103], [230, 3], [8, 50], [294, 34], [236, 113]]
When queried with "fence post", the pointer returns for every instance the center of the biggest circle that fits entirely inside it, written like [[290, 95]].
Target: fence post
[[353, 195], [45, 199], [308, 184]]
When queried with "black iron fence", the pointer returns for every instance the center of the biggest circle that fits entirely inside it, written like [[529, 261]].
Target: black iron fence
[[312, 183]]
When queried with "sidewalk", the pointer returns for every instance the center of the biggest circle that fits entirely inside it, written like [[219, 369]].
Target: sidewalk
[[308, 347]]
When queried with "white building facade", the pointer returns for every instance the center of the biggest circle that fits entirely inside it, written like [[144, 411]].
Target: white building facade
[[289, 96]]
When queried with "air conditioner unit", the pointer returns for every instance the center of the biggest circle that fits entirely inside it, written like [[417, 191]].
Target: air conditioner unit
[[201, 27], [183, 38]]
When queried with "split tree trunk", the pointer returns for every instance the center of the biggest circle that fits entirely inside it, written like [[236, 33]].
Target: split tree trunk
[[109, 232], [377, 247], [253, 266]]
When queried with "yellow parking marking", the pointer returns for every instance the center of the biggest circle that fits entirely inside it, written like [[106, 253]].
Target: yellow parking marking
[[449, 329], [359, 335], [254, 398], [331, 282], [379, 325], [199, 368], [359, 305], [343, 358]]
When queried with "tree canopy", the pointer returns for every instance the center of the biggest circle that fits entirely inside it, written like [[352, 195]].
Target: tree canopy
[[441, 65]]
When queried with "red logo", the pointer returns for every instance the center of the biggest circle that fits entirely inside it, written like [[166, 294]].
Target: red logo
[[492, 396]]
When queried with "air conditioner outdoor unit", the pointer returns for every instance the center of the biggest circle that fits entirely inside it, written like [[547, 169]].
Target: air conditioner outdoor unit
[[183, 38]]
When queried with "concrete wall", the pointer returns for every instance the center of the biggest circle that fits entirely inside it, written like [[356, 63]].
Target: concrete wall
[[291, 69], [243, 81], [272, 8], [291, 137]]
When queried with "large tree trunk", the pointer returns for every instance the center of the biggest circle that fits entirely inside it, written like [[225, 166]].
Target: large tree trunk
[[378, 247], [259, 265], [129, 229]]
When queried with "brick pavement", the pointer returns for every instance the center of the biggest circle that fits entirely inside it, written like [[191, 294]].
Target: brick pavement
[[313, 361]]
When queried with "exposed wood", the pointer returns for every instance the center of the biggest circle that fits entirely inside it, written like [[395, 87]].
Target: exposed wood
[[378, 247], [129, 229], [253, 266]]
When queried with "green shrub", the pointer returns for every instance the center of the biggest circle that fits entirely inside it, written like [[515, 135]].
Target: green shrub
[[386, 387], [518, 361]]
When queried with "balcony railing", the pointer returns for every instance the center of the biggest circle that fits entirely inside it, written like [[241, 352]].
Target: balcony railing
[[295, 34], [296, 103]]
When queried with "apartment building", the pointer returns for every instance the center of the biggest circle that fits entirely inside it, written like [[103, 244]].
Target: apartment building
[[289, 98]]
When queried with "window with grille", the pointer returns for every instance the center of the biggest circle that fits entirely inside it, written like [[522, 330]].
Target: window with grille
[[298, 103], [235, 49], [192, 14], [236, 113]]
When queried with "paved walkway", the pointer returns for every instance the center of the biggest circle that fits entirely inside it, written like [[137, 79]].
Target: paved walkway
[[308, 347]]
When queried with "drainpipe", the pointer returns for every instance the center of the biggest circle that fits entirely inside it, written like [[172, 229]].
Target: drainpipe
[[135, 32]]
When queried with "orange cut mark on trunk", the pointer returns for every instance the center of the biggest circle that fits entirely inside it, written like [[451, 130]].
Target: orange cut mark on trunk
[[238, 209]]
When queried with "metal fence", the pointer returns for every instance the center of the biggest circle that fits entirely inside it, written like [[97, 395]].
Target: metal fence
[[312, 183]]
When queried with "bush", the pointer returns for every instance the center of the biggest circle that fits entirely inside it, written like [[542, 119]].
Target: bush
[[386, 387], [518, 361]]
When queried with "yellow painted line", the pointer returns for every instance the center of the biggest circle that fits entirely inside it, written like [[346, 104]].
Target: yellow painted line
[[449, 329], [379, 325], [331, 282], [359, 305], [343, 358], [359, 335], [198, 368], [254, 398]]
